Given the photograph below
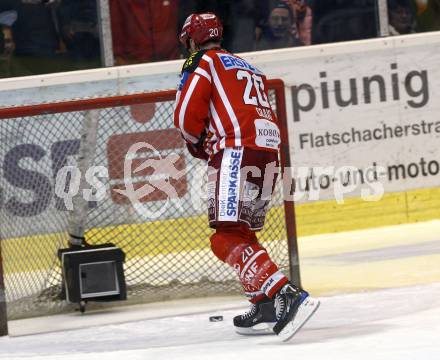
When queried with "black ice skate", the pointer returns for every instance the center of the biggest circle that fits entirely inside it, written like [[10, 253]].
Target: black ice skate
[[294, 307], [259, 320]]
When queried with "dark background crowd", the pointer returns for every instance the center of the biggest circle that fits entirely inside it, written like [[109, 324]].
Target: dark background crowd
[[45, 36]]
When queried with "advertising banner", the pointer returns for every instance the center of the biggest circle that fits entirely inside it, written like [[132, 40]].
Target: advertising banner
[[363, 118]]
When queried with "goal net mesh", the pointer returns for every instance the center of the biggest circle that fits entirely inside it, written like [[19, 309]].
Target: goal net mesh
[[165, 235]]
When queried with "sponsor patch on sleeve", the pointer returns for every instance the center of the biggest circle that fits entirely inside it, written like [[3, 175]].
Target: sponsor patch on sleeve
[[232, 62]]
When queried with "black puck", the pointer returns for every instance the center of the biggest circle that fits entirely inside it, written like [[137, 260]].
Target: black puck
[[216, 318]]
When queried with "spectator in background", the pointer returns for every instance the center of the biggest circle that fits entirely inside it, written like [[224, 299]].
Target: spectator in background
[[304, 18], [144, 30], [7, 46], [402, 15], [7, 19], [276, 32], [245, 16], [429, 20], [36, 38], [79, 30]]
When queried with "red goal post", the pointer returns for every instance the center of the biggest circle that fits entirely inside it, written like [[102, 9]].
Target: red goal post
[[168, 254]]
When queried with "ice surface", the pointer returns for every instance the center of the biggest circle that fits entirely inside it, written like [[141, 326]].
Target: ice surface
[[398, 319], [392, 324]]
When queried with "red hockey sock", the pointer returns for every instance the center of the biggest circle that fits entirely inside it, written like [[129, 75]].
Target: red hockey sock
[[258, 274]]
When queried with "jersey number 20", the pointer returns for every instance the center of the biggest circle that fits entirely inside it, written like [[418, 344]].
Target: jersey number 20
[[256, 82]]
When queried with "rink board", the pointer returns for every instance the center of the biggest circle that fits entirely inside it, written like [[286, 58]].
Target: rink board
[[313, 218], [343, 261]]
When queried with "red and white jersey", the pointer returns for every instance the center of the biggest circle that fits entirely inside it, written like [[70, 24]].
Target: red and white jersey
[[226, 97]]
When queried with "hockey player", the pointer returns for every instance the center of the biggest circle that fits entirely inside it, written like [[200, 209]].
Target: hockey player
[[223, 113]]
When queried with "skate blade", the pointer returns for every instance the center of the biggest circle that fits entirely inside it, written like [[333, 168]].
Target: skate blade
[[305, 312], [266, 329]]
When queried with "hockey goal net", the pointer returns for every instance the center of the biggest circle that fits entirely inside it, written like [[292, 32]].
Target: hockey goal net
[[47, 192]]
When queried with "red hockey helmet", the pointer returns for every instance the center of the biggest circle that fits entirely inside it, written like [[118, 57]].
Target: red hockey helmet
[[201, 28]]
